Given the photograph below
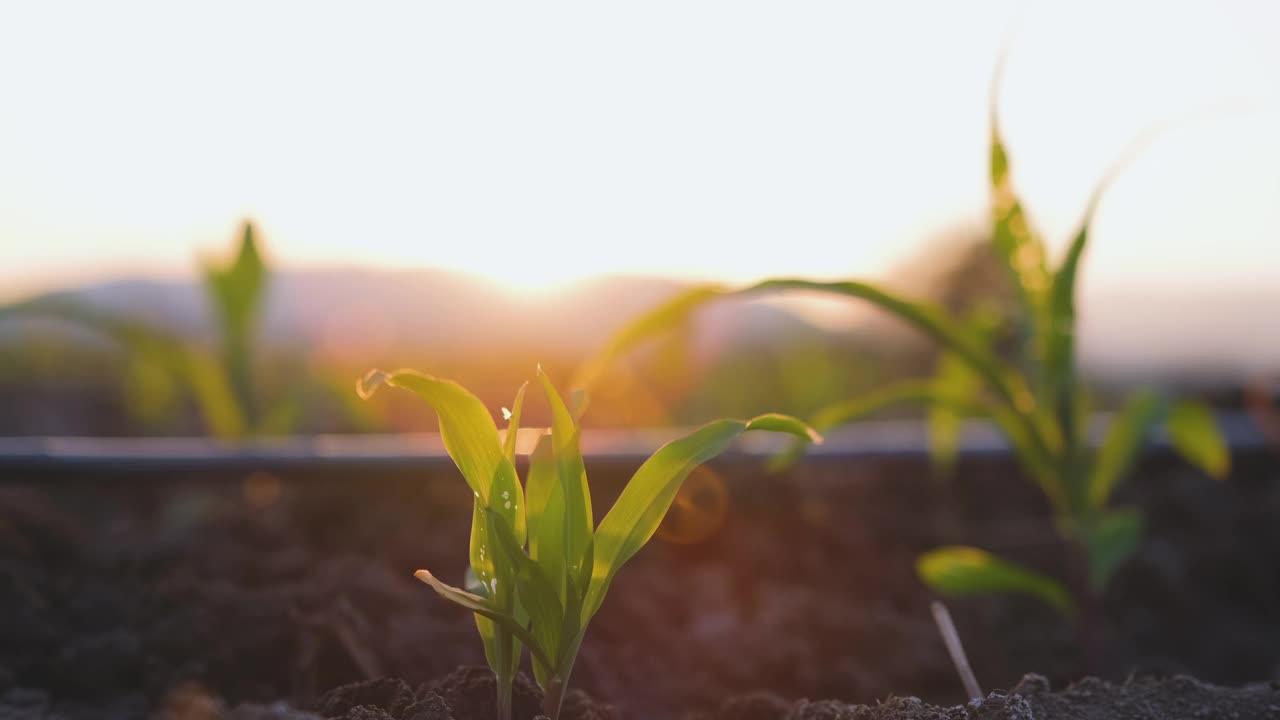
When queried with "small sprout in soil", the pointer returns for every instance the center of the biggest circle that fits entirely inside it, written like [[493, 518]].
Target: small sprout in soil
[[1034, 395], [539, 566]]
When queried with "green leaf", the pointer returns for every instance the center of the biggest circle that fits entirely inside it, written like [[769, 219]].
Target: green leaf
[[219, 407], [1060, 366], [634, 518], [481, 606], [513, 424], [573, 478], [1125, 437], [785, 424], [497, 580], [199, 371], [1021, 252], [961, 571], [848, 411], [924, 391], [471, 438], [238, 291], [535, 589], [931, 320], [506, 501], [470, 435], [1034, 460], [661, 319], [544, 505], [1112, 540], [1196, 437], [472, 583], [238, 288], [1016, 411], [955, 379]]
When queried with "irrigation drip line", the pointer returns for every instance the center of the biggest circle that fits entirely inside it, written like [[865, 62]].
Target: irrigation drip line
[[889, 439]]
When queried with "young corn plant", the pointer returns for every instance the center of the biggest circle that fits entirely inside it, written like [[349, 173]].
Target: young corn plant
[[223, 383], [539, 566], [1036, 399], [220, 385]]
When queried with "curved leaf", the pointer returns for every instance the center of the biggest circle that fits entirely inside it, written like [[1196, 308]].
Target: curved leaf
[[205, 378], [573, 478], [1196, 437], [955, 379], [1060, 352], [654, 322], [238, 291], [1124, 440], [847, 411], [1112, 540], [1022, 253], [513, 424], [470, 435], [1032, 457], [634, 518], [544, 506], [483, 607], [961, 571], [929, 319], [536, 591]]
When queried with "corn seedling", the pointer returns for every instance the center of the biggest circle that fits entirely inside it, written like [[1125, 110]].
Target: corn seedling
[[1036, 399], [539, 567], [221, 382]]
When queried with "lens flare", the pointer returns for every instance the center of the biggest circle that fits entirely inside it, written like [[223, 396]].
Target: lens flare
[[699, 509]]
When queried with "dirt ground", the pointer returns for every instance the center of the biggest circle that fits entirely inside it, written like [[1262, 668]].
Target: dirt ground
[[254, 595]]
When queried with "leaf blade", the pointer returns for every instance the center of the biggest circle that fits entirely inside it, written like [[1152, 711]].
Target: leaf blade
[[933, 321], [953, 378], [544, 505], [1113, 539], [481, 606], [535, 589], [637, 330], [962, 571], [469, 432], [513, 424], [578, 522], [1195, 435], [1123, 443], [639, 509]]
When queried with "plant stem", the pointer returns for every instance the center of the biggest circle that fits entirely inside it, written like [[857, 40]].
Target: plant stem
[[552, 698], [505, 683], [1088, 636]]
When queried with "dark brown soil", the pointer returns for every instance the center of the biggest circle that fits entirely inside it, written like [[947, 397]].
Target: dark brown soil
[[467, 694], [194, 596], [1174, 698]]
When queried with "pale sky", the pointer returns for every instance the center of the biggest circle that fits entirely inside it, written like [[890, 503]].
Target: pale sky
[[539, 142]]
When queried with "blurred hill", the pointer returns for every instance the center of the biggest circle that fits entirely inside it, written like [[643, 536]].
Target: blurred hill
[[337, 324], [1188, 333], [735, 358], [361, 314]]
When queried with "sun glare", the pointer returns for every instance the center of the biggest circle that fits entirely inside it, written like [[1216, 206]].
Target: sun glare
[[549, 147], [539, 277]]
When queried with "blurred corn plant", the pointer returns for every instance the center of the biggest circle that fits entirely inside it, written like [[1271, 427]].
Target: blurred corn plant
[[1025, 380], [544, 596], [163, 367]]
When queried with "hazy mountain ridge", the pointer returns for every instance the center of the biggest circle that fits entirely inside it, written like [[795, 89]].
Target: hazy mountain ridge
[[422, 309], [1160, 334]]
